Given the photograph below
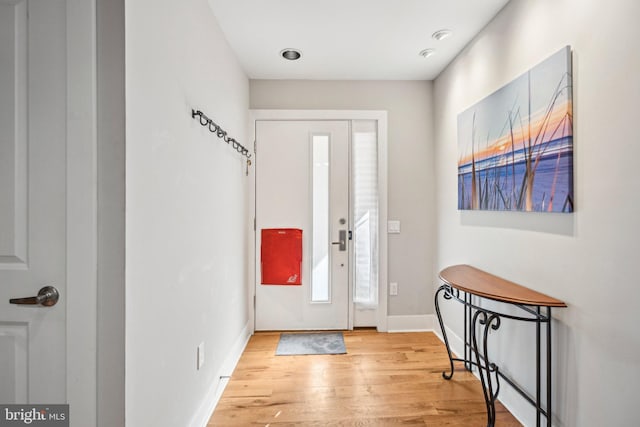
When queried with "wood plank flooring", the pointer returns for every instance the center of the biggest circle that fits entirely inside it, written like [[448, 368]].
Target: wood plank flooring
[[383, 380]]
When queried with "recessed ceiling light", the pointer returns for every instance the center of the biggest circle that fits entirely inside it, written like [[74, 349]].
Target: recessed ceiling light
[[291, 54], [441, 34], [427, 52]]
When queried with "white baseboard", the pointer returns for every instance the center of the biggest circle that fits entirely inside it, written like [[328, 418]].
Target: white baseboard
[[416, 323], [201, 418], [455, 342]]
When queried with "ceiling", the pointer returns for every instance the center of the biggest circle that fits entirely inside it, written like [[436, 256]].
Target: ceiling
[[350, 39]]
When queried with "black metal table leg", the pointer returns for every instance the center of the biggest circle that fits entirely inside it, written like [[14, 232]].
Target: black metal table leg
[[485, 367], [549, 367], [468, 318], [538, 369], [444, 333]]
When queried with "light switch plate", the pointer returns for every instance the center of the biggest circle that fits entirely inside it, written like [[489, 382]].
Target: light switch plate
[[393, 288], [393, 227]]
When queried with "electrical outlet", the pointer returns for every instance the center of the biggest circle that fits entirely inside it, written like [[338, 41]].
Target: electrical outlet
[[393, 288], [393, 227], [200, 356]]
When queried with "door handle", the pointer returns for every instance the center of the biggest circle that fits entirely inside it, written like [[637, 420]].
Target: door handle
[[47, 296], [342, 240]]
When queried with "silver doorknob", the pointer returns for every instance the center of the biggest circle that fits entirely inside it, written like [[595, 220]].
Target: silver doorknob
[[47, 296]]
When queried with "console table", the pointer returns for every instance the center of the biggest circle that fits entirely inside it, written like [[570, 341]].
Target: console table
[[469, 286]]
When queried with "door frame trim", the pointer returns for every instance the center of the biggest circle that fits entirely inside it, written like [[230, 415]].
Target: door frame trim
[[82, 212], [325, 115]]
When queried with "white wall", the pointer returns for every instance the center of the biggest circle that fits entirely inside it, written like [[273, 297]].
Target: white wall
[[411, 189], [589, 258], [186, 228]]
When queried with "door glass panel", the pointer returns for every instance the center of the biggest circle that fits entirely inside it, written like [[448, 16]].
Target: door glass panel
[[365, 219], [320, 277]]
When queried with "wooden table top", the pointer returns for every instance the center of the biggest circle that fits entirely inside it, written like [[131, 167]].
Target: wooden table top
[[477, 282]]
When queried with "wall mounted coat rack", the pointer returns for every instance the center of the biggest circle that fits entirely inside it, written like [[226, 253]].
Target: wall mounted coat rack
[[221, 133]]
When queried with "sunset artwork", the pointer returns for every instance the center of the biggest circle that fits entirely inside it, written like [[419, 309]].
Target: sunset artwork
[[516, 145]]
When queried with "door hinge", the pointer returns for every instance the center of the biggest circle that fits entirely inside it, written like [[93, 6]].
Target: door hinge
[[254, 303], [254, 224], [255, 146]]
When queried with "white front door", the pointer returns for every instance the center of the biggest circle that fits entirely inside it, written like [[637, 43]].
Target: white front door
[[38, 137], [302, 182]]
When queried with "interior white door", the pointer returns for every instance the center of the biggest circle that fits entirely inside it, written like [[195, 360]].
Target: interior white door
[[302, 182], [33, 138]]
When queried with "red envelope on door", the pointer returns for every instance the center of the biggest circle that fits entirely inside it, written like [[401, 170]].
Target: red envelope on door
[[281, 256]]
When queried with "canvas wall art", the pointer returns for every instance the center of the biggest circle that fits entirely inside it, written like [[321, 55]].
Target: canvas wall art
[[516, 145]]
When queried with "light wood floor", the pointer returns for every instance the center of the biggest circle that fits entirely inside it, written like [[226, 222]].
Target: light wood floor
[[383, 380]]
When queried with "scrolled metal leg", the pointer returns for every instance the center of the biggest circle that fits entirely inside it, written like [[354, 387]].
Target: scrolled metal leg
[[494, 323], [489, 322], [444, 333]]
